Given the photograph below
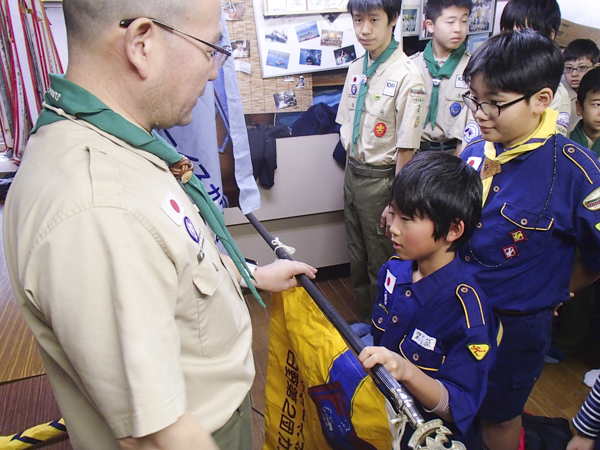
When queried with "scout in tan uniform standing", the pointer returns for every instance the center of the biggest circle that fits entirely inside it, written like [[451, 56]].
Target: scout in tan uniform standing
[[381, 113], [442, 64], [139, 319]]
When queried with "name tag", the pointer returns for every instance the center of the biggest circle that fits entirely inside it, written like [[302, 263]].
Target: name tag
[[423, 339], [390, 88], [460, 82]]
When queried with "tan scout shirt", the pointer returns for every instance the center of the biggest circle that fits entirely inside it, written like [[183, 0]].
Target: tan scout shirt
[[132, 326], [394, 109], [450, 123], [572, 97], [562, 103]]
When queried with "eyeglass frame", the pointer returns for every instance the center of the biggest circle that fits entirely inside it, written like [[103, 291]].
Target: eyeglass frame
[[580, 69], [500, 107], [126, 22]]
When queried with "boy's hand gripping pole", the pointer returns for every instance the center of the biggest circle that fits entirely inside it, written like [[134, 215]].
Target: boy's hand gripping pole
[[431, 435]]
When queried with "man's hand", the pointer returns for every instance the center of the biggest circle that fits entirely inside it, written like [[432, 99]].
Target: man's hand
[[279, 276], [386, 221]]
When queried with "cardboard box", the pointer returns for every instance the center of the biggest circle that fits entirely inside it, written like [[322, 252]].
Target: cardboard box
[[569, 31]]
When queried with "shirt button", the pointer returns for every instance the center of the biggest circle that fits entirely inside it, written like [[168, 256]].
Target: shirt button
[[524, 222], [380, 320], [467, 258], [479, 225], [408, 293], [415, 356], [382, 113], [395, 319], [571, 149], [496, 188], [464, 290]]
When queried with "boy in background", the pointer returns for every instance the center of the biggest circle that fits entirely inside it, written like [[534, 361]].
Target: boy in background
[[433, 328], [587, 130], [580, 55], [381, 115], [442, 64], [522, 251]]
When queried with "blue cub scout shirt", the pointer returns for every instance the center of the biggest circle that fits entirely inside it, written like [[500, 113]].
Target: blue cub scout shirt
[[541, 207], [444, 325]]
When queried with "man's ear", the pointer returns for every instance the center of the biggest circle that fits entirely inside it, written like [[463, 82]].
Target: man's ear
[[457, 228], [541, 100], [139, 39], [579, 108], [430, 25]]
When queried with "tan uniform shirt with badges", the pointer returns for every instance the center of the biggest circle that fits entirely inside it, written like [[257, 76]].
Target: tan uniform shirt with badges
[[450, 123], [135, 320], [393, 113], [572, 98], [562, 103]]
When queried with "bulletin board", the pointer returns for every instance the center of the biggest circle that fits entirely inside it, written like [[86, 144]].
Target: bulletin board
[[295, 7], [300, 44]]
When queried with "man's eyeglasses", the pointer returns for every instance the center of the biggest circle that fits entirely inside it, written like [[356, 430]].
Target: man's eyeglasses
[[489, 109], [580, 69], [220, 54]]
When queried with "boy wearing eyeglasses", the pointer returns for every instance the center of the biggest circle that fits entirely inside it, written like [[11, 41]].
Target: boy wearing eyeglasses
[[541, 201], [580, 55]]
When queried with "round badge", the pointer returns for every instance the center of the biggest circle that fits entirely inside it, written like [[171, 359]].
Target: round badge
[[380, 129], [191, 230], [363, 79], [471, 132], [353, 89], [455, 109]]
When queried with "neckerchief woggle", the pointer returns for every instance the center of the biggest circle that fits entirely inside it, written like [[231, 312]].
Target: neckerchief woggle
[[368, 71], [581, 138], [83, 105], [545, 130], [438, 73]]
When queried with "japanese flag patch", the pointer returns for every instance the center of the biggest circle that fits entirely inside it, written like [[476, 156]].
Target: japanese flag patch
[[474, 161], [390, 282], [173, 208], [479, 350]]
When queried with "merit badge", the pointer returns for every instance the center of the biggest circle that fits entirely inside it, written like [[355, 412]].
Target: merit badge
[[353, 89], [423, 339], [460, 82], [597, 226], [479, 350], [490, 168], [191, 230], [510, 251], [363, 79], [390, 282], [474, 161], [518, 236], [455, 109], [563, 119], [173, 208], [380, 129], [418, 91], [471, 132], [390, 88], [592, 201]]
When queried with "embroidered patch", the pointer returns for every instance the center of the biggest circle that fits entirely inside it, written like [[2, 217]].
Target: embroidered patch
[[423, 339], [563, 119], [385, 299], [455, 109], [173, 208], [479, 350], [510, 251], [380, 129], [518, 236], [416, 122], [418, 90], [592, 201], [390, 88], [353, 90], [354, 79], [191, 230], [598, 226], [377, 97], [474, 161], [390, 282], [460, 82], [471, 132]]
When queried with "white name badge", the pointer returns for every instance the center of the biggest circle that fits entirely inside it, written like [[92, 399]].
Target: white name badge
[[390, 88], [423, 339], [460, 82]]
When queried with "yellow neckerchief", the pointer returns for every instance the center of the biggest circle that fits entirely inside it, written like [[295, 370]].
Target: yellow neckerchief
[[544, 131]]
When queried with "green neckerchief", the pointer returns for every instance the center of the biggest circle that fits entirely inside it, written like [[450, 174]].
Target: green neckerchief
[[83, 105], [438, 74], [579, 136], [368, 71]]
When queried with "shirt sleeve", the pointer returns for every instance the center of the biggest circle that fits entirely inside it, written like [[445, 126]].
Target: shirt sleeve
[[587, 421], [343, 115], [109, 292], [410, 109]]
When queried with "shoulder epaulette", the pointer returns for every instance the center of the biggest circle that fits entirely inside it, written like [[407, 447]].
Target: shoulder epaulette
[[414, 55], [471, 304], [583, 159]]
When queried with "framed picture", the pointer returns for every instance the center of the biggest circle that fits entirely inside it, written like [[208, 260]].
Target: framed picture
[[410, 19], [481, 19]]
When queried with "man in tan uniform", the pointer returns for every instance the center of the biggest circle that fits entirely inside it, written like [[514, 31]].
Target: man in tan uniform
[[381, 113], [140, 320]]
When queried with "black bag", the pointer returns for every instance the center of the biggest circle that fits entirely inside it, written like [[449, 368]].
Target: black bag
[[545, 433]]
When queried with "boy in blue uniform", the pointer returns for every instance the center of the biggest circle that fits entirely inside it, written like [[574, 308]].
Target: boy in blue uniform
[[433, 327], [541, 201]]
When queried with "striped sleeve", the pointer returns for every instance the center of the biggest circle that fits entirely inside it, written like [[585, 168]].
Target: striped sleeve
[[587, 421]]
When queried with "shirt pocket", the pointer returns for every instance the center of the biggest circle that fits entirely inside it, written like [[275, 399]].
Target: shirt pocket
[[379, 129], [219, 316], [426, 360]]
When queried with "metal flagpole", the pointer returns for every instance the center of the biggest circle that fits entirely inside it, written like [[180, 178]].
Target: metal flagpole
[[398, 397]]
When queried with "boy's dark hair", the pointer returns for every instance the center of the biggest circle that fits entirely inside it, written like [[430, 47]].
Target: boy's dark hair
[[435, 8], [542, 16], [519, 61], [442, 188], [589, 83], [391, 7], [582, 48]]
